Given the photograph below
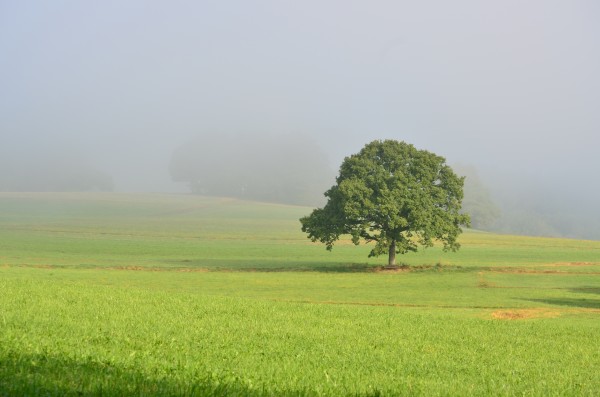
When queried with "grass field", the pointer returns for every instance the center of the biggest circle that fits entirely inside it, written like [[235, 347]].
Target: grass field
[[115, 294]]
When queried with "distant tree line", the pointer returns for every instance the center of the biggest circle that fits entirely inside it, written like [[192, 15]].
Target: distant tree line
[[477, 202], [524, 207], [52, 172], [287, 169]]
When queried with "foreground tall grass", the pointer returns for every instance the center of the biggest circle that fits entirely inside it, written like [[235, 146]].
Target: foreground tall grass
[[69, 337], [177, 295]]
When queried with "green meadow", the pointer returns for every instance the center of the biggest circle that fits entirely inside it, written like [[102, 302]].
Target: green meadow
[[141, 294]]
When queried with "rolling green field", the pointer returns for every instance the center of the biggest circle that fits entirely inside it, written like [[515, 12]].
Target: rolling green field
[[125, 294]]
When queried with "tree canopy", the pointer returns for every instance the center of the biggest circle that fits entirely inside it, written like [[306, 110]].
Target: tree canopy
[[394, 195]]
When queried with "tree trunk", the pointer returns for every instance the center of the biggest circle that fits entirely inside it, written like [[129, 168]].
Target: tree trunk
[[392, 258]]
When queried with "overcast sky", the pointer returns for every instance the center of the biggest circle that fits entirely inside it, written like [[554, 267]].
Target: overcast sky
[[511, 87]]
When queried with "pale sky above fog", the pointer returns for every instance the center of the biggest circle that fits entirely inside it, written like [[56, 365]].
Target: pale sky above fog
[[511, 87]]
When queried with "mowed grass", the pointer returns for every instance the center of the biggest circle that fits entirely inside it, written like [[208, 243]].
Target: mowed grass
[[112, 294]]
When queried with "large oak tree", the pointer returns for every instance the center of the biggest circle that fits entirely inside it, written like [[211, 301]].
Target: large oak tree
[[395, 195]]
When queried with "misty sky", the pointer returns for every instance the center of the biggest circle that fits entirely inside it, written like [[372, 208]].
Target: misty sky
[[511, 87]]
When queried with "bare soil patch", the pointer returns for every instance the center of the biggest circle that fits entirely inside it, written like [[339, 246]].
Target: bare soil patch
[[393, 269], [523, 314], [570, 264], [516, 270], [118, 268]]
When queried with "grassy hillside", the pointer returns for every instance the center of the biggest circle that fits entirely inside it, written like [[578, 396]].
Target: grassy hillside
[[127, 230], [114, 294]]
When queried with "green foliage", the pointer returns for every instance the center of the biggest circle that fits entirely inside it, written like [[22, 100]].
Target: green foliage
[[395, 195]]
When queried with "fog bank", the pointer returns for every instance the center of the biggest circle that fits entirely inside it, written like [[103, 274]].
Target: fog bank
[[509, 87]]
